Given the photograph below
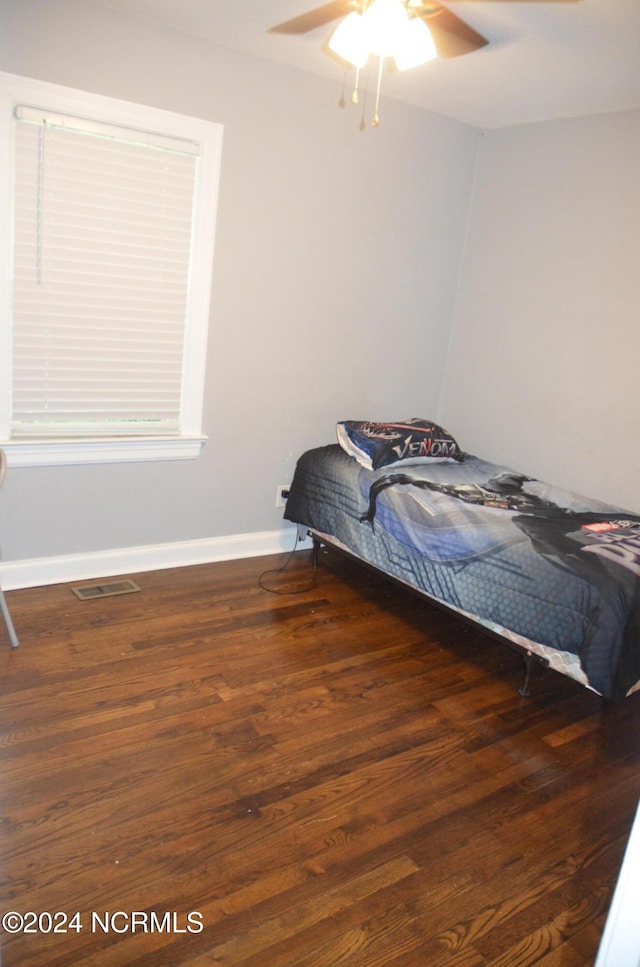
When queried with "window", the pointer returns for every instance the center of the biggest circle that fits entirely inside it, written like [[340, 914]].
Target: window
[[109, 234]]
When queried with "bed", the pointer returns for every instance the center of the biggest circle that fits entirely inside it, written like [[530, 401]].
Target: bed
[[551, 573]]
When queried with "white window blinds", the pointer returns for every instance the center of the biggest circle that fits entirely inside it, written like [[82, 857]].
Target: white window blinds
[[103, 235]]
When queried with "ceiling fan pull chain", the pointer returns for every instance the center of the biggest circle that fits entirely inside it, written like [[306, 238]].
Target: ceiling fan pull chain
[[376, 120], [342, 102], [362, 124], [354, 97]]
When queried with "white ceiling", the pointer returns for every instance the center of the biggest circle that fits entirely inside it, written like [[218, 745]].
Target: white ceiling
[[544, 59]]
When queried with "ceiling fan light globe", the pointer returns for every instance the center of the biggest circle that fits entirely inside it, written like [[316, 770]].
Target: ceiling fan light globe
[[417, 46], [385, 22], [350, 40]]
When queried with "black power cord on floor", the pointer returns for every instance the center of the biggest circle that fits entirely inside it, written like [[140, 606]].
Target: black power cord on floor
[[280, 570]]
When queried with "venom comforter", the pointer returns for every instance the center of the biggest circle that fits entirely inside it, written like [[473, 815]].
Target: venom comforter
[[532, 560]]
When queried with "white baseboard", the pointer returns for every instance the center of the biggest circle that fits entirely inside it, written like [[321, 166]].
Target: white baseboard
[[130, 560]]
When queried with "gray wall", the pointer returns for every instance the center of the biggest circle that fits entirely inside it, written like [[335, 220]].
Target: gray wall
[[336, 266], [543, 369], [351, 269]]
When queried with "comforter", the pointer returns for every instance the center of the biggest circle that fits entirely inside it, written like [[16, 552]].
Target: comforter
[[513, 552]]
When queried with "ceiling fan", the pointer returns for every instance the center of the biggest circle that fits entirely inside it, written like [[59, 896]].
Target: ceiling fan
[[452, 36]]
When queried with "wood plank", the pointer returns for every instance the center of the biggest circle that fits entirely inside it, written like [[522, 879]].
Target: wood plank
[[337, 775]]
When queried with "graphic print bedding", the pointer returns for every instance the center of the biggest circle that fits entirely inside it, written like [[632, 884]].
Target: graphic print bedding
[[549, 565]]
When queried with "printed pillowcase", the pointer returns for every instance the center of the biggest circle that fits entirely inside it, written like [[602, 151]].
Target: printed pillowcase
[[376, 445]]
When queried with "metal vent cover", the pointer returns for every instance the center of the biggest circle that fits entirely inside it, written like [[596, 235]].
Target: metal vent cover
[[89, 592]]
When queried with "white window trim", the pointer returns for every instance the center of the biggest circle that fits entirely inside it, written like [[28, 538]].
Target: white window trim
[[15, 90]]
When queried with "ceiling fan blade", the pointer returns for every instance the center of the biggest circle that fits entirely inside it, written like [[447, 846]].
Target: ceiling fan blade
[[525, 1], [451, 35], [314, 18]]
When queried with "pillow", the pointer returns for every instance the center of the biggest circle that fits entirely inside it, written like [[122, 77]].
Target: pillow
[[376, 445]]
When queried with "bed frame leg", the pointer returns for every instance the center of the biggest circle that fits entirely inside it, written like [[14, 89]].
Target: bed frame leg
[[316, 552], [524, 689]]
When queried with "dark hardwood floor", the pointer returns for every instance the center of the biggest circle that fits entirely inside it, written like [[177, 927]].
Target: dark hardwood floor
[[338, 776]]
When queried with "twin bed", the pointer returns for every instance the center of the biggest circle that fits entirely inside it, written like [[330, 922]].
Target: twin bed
[[553, 574]]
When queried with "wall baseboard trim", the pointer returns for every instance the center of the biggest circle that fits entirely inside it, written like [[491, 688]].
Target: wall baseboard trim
[[37, 572]]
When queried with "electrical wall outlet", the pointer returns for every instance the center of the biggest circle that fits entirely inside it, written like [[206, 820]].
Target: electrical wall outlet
[[281, 494]]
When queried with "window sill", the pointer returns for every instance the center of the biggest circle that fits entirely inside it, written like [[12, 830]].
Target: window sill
[[71, 452]]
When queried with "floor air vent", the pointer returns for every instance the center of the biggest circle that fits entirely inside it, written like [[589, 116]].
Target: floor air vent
[[89, 592]]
